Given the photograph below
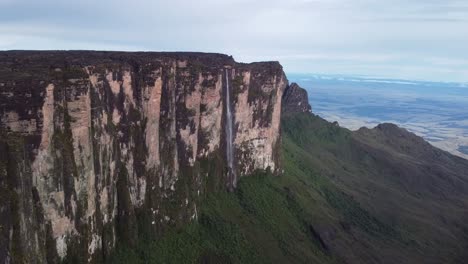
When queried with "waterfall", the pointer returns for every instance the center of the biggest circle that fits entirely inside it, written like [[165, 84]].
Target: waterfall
[[229, 135]]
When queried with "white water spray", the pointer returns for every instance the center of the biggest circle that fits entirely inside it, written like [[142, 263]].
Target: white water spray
[[229, 135]]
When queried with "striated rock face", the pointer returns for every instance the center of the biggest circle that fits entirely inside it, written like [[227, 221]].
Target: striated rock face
[[100, 147], [295, 100]]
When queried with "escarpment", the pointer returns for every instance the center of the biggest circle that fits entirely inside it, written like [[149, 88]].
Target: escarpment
[[295, 100], [100, 147]]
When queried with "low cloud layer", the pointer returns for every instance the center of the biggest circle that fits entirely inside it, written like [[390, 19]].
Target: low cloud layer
[[420, 39]]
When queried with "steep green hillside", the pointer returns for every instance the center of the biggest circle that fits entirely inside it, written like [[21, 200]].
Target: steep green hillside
[[371, 196]]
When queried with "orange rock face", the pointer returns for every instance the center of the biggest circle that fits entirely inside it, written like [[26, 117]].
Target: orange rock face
[[104, 136]]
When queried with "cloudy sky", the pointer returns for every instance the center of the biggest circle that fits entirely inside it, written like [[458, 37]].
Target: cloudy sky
[[409, 39]]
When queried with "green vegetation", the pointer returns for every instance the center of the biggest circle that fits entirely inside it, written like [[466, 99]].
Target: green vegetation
[[237, 86], [238, 81], [267, 219], [255, 93], [74, 72], [260, 222], [336, 201]]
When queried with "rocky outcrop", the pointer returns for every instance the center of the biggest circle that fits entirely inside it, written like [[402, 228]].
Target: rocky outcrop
[[295, 100], [98, 148]]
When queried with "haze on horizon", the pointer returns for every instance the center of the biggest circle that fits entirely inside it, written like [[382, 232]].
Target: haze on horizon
[[420, 39]]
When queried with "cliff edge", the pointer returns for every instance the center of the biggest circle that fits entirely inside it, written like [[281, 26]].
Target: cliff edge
[[295, 100], [100, 147]]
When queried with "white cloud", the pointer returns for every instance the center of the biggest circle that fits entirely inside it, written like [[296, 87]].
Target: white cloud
[[358, 36]]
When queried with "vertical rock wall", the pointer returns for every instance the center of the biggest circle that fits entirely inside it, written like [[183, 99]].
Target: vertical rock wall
[[101, 147]]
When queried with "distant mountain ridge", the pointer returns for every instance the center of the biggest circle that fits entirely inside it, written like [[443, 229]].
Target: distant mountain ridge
[[435, 111], [409, 199]]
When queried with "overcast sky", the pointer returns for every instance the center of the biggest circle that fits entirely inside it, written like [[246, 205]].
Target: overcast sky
[[410, 39]]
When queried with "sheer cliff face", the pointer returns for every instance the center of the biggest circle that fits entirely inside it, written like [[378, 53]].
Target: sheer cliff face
[[98, 147], [295, 100]]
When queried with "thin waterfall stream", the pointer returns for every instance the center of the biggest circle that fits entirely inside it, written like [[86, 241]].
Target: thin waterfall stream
[[229, 134]]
